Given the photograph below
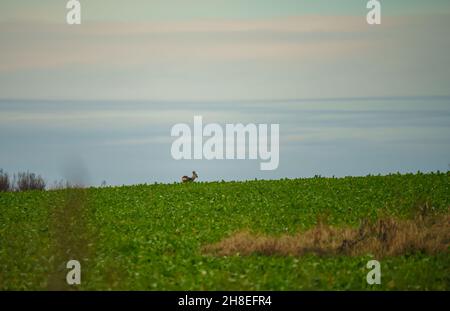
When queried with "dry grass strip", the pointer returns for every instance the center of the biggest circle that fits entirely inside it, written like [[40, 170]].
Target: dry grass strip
[[385, 237]]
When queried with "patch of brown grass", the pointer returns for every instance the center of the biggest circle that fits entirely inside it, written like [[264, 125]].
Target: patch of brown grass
[[385, 237]]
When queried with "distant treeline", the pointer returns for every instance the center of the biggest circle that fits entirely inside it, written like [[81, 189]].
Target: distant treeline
[[22, 181], [25, 181]]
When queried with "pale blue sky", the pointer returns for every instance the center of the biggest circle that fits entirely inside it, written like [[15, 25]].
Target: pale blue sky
[[223, 50], [132, 10], [106, 93], [129, 142]]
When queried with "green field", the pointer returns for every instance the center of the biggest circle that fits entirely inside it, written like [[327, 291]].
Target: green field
[[150, 237]]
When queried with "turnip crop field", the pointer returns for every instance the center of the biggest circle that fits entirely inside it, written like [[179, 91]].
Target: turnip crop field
[[168, 236]]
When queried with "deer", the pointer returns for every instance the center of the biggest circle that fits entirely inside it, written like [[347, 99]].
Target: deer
[[185, 179]]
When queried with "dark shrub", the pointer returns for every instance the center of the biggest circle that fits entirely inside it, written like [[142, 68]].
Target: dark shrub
[[29, 181], [5, 184]]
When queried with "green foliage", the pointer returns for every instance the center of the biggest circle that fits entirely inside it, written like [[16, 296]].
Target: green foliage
[[149, 237]]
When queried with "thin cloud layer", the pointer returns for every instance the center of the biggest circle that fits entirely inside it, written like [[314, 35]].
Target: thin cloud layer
[[225, 59]]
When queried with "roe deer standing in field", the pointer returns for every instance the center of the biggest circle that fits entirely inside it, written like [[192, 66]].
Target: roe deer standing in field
[[189, 179]]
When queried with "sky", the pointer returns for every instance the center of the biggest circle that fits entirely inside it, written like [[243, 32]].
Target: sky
[[222, 50], [176, 10], [351, 98]]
